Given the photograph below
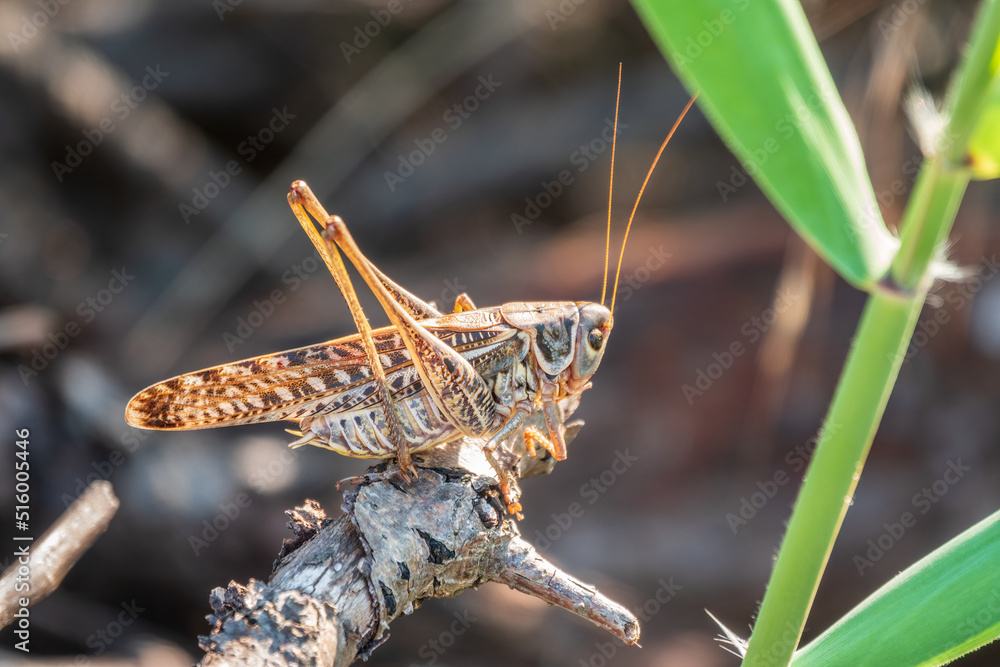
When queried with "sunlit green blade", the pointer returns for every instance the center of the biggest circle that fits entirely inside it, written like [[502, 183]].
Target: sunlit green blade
[[766, 89], [940, 608]]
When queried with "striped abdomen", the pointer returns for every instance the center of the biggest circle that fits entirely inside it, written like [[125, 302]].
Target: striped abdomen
[[364, 433]]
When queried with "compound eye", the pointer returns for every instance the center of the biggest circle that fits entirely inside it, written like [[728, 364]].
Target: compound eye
[[595, 339]]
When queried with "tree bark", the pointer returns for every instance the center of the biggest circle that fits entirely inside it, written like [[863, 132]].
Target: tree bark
[[338, 583], [42, 565]]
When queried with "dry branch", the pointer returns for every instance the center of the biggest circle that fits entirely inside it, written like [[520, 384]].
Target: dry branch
[[54, 554], [339, 583]]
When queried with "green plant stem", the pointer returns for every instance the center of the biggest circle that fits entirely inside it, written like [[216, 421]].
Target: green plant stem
[[927, 221], [873, 363], [972, 86], [850, 426], [944, 176]]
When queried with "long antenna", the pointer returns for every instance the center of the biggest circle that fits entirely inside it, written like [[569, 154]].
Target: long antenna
[[611, 187], [649, 173]]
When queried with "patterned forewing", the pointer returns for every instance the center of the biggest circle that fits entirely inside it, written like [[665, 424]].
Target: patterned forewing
[[327, 378]]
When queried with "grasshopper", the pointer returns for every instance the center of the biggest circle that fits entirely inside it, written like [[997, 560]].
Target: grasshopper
[[427, 379]]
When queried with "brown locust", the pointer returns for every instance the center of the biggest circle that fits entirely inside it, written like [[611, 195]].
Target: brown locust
[[427, 379]]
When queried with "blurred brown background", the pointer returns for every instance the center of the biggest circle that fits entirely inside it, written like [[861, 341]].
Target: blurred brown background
[[146, 152]]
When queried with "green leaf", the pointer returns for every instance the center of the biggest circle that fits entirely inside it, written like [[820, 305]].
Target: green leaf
[[765, 87], [942, 607], [984, 145], [973, 98]]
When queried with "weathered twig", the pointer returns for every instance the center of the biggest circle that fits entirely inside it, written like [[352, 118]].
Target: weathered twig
[[528, 572], [339, 583], [51, 557]]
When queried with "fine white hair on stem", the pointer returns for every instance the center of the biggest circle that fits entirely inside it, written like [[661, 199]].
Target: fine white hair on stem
[[927, 121]]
